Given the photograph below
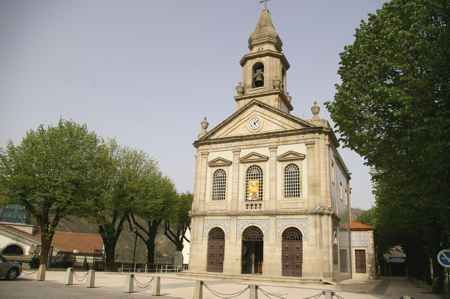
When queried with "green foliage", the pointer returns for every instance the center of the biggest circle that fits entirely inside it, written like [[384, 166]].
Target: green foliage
[[393, 108], [51, 173], [179, 220], [367, 217]]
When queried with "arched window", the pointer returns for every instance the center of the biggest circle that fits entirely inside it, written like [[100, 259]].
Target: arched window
[[258, 75], [219, 185], [254, 183], [292, 186]]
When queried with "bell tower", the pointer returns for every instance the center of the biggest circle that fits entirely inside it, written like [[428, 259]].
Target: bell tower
[[264, 68]]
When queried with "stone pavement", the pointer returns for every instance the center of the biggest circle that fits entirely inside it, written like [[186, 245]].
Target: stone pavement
[[113, 285]]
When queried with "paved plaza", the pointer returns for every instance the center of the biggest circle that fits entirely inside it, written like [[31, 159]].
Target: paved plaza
[[113, 285]]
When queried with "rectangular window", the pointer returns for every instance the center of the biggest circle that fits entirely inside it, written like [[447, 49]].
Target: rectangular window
[[360, 261], [335, 254], [343, 260]]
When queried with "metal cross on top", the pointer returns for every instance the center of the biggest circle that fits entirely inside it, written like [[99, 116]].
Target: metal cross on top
[[264, 2]]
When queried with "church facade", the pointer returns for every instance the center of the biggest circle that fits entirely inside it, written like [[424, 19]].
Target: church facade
[[272, 193]]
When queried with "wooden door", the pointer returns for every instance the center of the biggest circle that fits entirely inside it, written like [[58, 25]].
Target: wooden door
[[292, 252], [360, 261], [216, 250]]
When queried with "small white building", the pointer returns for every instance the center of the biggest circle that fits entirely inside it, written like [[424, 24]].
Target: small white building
[[363, 251]]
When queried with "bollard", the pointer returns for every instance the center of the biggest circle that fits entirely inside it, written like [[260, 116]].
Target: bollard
[[198, 290], [156, 287], [253, 291], [40, 276], [130, 283], [69, 277], [91, 279]]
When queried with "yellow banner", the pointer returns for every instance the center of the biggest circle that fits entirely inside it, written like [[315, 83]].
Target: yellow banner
[[253, 190]]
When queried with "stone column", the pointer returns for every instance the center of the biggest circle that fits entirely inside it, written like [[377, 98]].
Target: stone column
[[235, 181], [272, 203]]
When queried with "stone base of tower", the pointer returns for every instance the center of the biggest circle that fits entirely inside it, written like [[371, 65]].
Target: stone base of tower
[[269, 248]]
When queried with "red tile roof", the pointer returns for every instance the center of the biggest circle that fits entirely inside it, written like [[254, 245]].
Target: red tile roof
[[84, 243], [356, 225], [81, 242]]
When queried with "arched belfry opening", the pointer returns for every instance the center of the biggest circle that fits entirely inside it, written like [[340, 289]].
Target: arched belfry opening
[[252, 250], [258, 75], [216, 250], [292, 252]]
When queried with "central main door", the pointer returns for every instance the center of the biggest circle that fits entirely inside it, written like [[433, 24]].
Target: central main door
[[252, 250], [292, 252]]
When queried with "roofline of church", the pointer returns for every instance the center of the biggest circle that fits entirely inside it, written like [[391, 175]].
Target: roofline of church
[[282, 95], [248, 105], [266, 136]]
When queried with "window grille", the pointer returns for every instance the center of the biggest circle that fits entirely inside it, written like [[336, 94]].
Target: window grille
[[219, 185], [292, 186], [254, 183]]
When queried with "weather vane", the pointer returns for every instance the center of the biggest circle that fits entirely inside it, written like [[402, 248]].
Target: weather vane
[[264, 2]]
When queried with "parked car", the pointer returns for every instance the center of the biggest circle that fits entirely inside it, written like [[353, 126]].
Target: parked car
[[9, 270]]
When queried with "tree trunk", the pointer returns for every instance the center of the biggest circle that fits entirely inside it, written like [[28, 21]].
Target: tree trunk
[[150, 242], [110, 253], [46, 242]]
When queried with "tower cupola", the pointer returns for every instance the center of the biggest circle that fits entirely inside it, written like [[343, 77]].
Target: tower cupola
[[264, 68]]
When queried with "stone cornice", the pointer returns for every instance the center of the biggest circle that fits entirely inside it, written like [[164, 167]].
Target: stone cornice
[[266, 53], [267, 135], [265, 213], [291, 156], [253, 157], [282, 95], [219, 162]]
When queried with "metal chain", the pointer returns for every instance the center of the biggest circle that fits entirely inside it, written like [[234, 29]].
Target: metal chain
[[80, 278], [270, 295], [142, 285], [225, 295]]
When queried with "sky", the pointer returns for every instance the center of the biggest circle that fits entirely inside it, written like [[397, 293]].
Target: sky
[[146, 72]]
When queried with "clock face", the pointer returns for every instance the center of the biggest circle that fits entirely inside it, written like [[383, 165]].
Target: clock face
[[254, 123]]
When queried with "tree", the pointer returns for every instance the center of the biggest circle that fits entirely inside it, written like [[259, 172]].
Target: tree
[[393, 108], [122, 174], [179, 221], [52, 174], [367, 217], [151, 209]]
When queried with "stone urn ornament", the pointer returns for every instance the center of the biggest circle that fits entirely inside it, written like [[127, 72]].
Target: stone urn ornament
[[240, 89]]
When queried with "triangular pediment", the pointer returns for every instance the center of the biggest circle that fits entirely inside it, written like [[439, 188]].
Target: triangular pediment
[[253, 158], [269, 120], [219, 162], [291, 156]]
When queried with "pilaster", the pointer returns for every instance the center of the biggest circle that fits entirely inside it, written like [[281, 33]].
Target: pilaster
[[272, 177], [235, 180]]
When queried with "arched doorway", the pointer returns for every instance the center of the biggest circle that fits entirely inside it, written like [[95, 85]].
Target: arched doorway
[[216, 250], [292, 252], [252, 250], [12, 250]]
